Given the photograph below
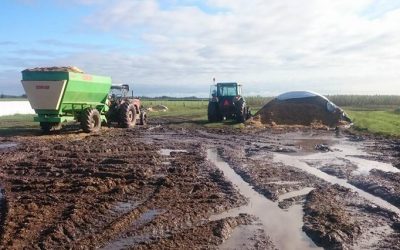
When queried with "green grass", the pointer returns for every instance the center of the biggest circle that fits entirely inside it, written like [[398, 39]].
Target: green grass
[[384, 121], [179, 108], [17, 125], [12, 99], [194, 112], [378, 119]]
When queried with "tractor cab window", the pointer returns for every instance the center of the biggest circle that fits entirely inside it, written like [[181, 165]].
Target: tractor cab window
[[115, 93], [118, 92], [228, 90]]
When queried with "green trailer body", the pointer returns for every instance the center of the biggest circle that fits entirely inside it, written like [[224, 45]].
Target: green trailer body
[[63, 96]]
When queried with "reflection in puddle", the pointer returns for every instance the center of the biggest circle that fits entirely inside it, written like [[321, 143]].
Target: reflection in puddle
[[1, 195], [296, 193], [167, 152], [8, 145], [284, 182], [124, 207], [241, 237], [299, 162], [341, 150], [284, 227]]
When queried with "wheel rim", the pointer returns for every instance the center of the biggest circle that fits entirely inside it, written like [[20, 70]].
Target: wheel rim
[[130, 116]]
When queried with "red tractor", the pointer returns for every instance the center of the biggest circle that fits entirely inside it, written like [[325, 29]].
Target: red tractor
[[227, 102], [124, 110]]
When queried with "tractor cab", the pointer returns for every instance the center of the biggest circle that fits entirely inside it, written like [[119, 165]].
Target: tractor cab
[[118, 91], [226, 89]]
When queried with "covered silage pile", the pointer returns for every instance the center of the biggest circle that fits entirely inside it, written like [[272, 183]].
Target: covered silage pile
[[302, 108]]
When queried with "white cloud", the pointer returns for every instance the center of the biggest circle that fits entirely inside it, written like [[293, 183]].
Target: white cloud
[[330, 46], [260, 41]]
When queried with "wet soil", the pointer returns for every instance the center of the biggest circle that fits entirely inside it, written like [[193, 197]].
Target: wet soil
[[156, 187]]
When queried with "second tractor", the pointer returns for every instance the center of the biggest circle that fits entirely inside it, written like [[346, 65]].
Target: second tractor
[[227, 102]]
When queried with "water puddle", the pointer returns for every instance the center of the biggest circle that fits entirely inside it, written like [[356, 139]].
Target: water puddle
[[8, 145], [1, 195], [300, 162], [242, 237], [283, 226], [296, 193], [340, 149], [126, 243], [124, 207], [130, 241], [167, 152], [284, 182]]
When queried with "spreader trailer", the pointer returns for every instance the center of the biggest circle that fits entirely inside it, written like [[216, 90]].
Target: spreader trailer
[[66, 94]]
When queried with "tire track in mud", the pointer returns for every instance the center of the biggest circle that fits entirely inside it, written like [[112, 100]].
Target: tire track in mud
[[251, 165], [63, 191], [295, 162], [245, 159], [278, 224]]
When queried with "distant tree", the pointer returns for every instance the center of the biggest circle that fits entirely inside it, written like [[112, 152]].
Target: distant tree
[[2, 95]]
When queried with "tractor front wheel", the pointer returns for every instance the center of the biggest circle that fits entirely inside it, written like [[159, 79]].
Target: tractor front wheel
[[128, 115], [90, 120]]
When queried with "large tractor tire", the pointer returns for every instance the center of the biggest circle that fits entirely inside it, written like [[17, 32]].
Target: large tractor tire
[[47, 127], [128, 115], [90, 120], [213, 112], [241, 112]]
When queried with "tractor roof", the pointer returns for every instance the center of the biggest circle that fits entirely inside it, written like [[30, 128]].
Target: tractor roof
[[228, 83], [120, 86]]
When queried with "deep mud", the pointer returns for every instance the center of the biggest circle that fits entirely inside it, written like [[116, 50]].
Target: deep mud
[[155, 187]]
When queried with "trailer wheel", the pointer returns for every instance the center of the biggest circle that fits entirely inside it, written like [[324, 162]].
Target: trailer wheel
[[128, 115], [91, 120], [49, 126], [46, 127]]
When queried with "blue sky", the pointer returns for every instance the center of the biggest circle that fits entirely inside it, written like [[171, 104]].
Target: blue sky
[[176, 47]]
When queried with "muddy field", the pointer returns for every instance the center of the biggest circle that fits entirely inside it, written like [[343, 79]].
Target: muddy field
[[177, 185]]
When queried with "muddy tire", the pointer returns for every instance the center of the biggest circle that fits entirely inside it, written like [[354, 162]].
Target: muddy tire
[[248, 113], [143, 118], [47, 127], [241, 112], [213, 112], [90, 120], [128, 115]]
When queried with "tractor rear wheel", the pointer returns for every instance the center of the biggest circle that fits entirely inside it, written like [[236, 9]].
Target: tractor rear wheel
[[241, 112], [90, 120], [213, 112], [128, 115]]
